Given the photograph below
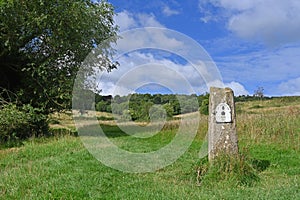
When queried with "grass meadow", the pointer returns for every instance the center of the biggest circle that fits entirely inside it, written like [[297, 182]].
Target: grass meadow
[[60, 167]]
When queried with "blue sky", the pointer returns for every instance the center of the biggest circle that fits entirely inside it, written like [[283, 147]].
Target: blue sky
[[252, 42]]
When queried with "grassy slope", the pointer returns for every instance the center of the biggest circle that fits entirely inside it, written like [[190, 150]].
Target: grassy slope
[[61, 168]]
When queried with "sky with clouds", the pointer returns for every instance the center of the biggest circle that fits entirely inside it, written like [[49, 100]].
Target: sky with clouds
[[253, 43]]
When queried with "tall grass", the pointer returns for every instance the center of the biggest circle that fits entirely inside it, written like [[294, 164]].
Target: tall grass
[[233, 170], [276, 127], [61, 168]]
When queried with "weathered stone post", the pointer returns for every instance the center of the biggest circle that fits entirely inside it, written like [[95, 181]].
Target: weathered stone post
[[222, 138]]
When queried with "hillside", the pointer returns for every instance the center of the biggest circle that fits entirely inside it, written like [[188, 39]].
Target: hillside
[[61, 167]]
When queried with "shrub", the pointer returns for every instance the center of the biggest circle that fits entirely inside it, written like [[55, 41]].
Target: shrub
[[37, 120], [204, 107], [62, 131], [17, 124]]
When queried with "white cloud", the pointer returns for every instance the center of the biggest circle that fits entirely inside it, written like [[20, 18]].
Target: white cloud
[[148, 20], [207, 18], [126, 20], [142, 38], [253, 65], [272, 21], [251, 61], [290, 87], [139, 69], [236, 5], [237, 88], [261, 66], [149, 38], [169, 12]]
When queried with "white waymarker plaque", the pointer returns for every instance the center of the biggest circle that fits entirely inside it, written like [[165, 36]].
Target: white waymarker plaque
[[223, 113]]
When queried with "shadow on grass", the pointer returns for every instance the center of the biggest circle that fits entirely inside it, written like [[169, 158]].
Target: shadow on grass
[[94, 130], [113, 131], [110, 131], [260, 165]]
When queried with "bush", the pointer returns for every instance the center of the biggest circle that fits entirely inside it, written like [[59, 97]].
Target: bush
[[17, 124], [204, 107], [63, 132]]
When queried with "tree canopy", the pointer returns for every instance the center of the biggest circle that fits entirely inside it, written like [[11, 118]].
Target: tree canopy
[[43, 43], [140, 107]]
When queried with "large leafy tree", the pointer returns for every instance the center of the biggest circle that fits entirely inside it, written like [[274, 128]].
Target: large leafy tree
[[43, 43]]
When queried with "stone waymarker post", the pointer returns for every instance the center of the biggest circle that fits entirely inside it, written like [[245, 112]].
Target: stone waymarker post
[[222, 138]]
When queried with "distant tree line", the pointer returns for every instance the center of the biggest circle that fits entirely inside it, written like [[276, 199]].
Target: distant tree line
[[257, 95], [243, 98], [140, 107]]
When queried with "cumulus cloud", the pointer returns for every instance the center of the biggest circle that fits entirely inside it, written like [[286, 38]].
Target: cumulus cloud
[[148, 20], [290, 87], [126, 20], [272, 21], [149, 38], [261, 66], [237, 88], [144, 70], [144, 57], [143, 38], [141, 69], [169, 12], [151, 69]]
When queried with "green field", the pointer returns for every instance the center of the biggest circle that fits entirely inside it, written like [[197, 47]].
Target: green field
[[61, 168]]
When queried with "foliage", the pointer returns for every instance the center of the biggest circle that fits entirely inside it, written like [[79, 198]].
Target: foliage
[[138, 106], [62, 131], [169, 109], [44, 42], [17, 124], [204, 107], [103, 106], [245, 98]]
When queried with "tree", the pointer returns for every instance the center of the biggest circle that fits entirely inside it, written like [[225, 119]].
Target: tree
[[157, 98], [169, 110], [204, 108], [259, 92], [43, 43], [157, 113]]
